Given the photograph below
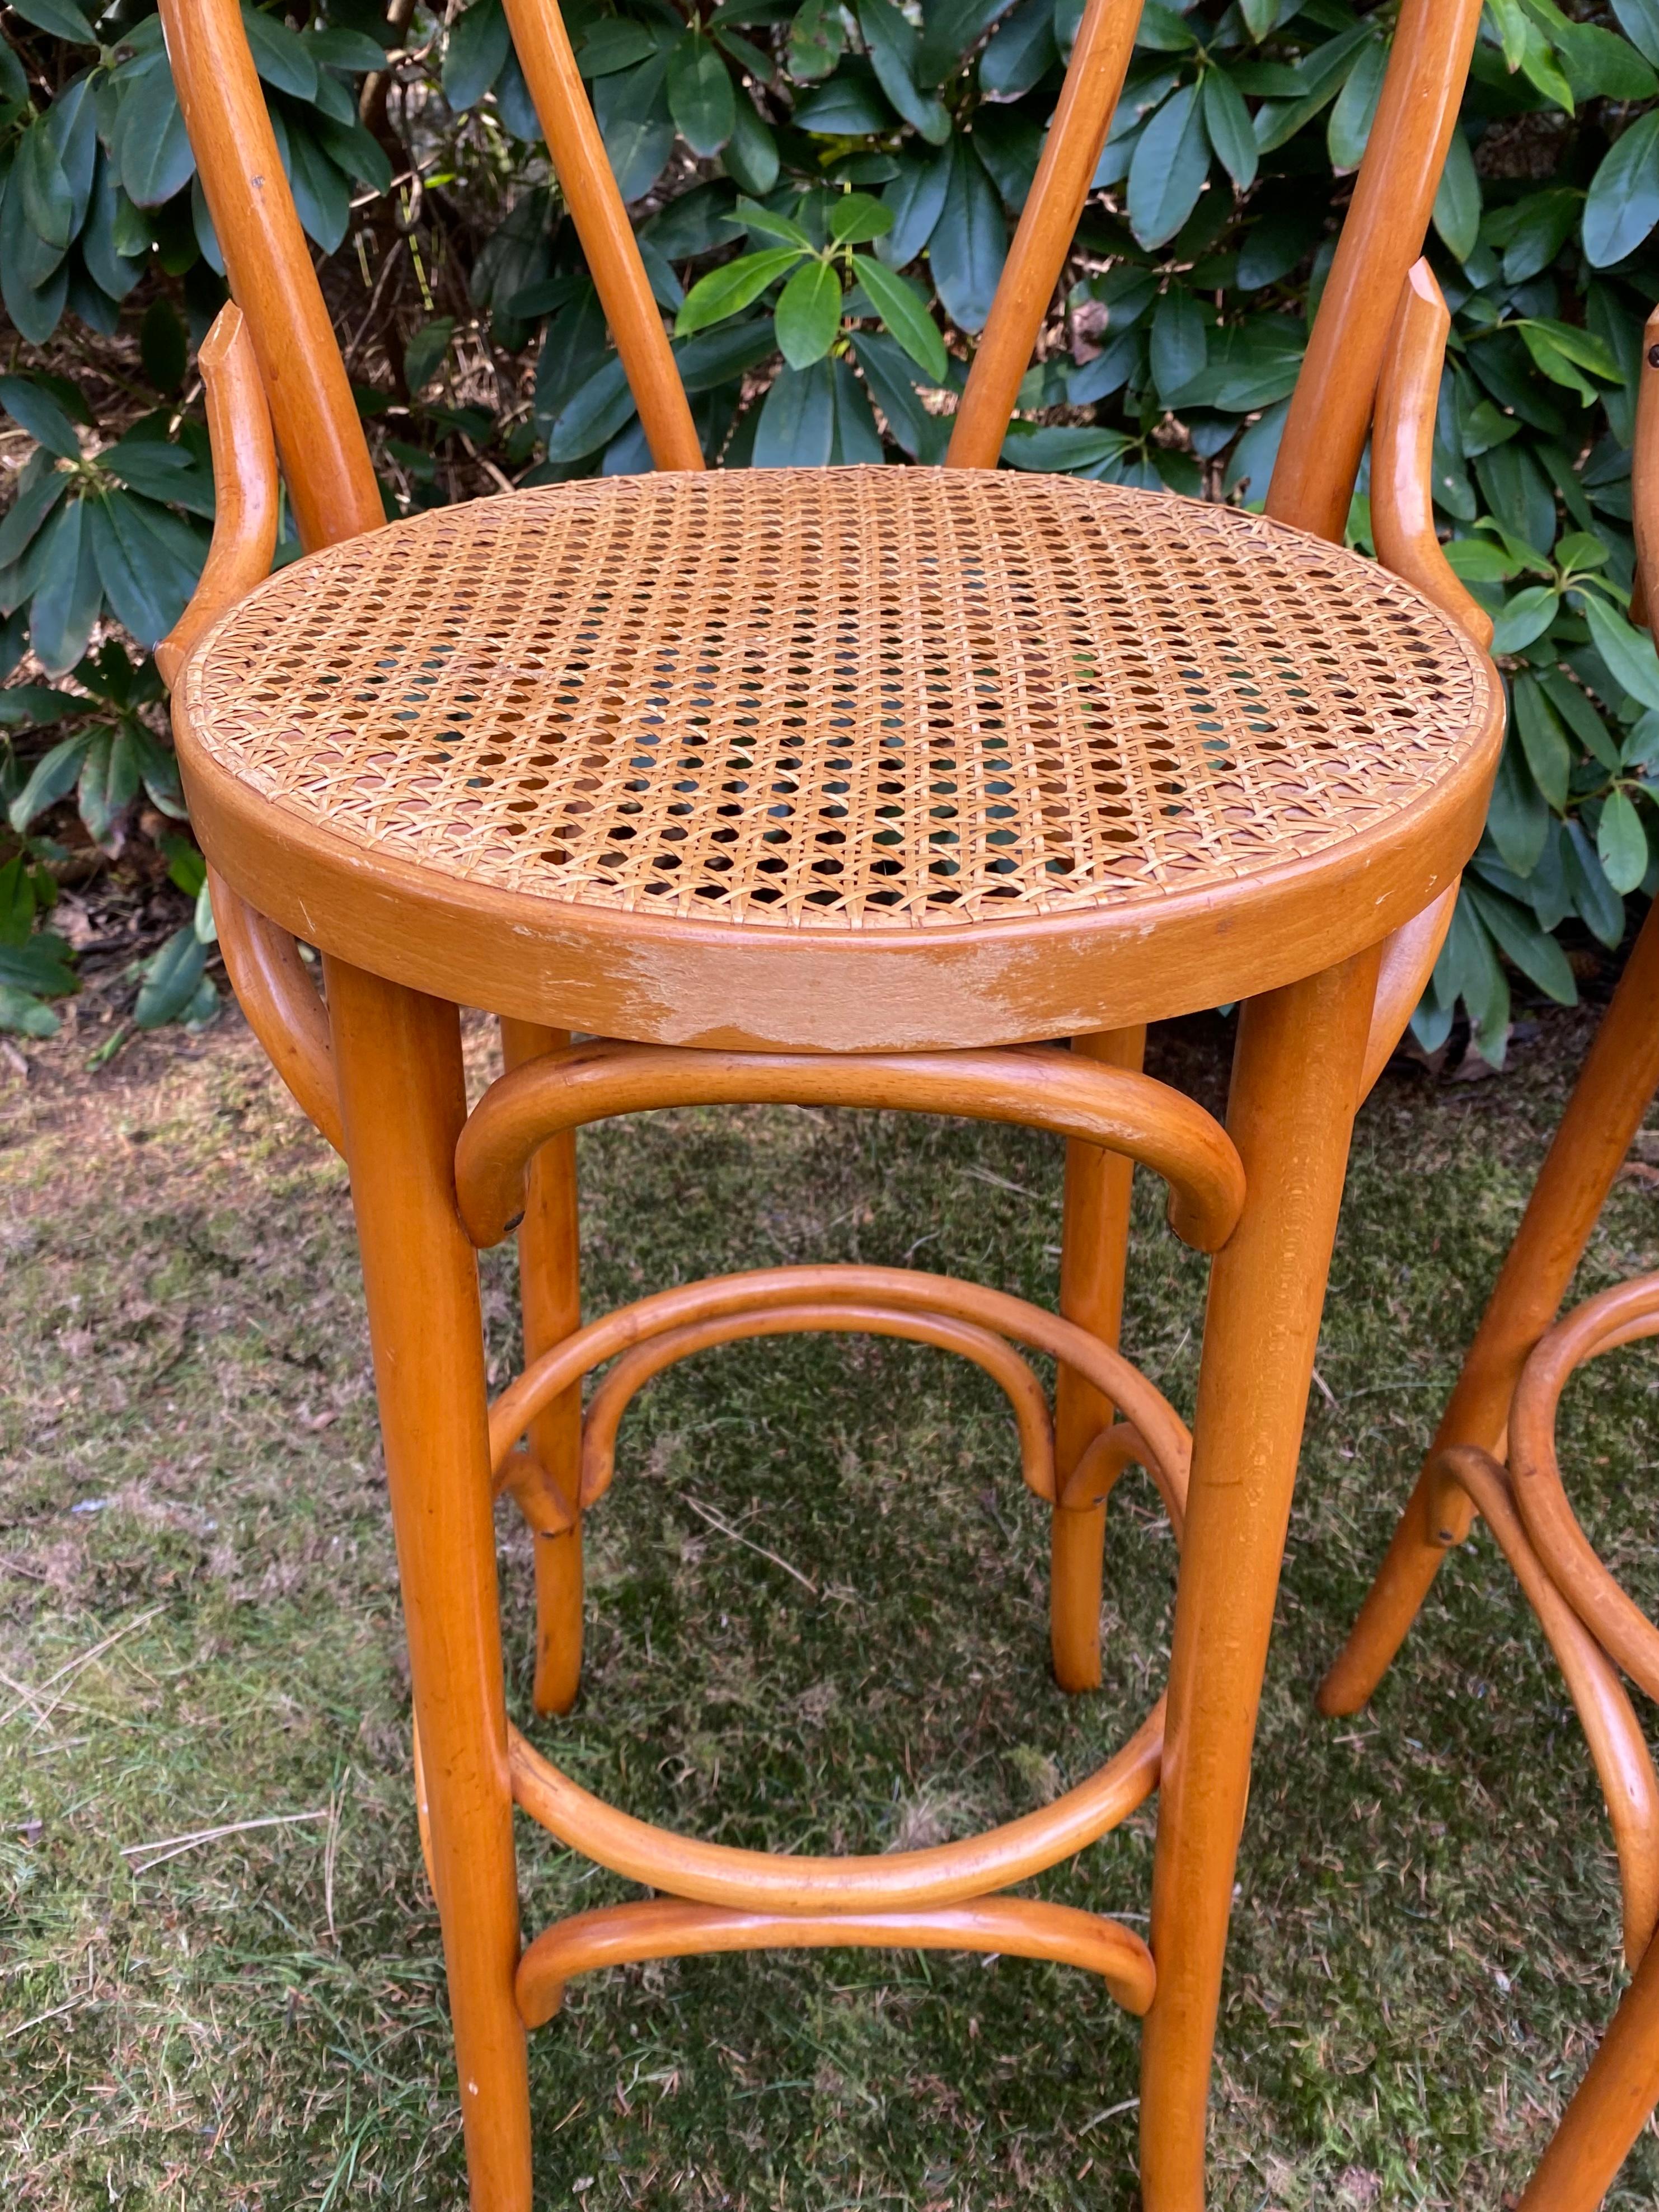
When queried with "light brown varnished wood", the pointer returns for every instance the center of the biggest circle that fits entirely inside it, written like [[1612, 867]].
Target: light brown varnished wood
[[1619, 1076], [771, 1881], [1027, 1401], [550, 1295], [1044, 1089], [1403, 973], [284, 1007], [664, 1928], [1094, 1242], [1614, 1733], [1071, 154], [1381, 236], [245, 500], [1266, 1292], [1612, 2107], [1402, 454], [403, 1101], [1162, 1441], [325, 460]]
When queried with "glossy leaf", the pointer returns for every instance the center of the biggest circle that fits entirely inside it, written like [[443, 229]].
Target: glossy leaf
[[729, 290], [797, 427], [752, 152], [904, 311], [969, 242], [916, 196], [281, 57], [478, 44], [1623, 205], [807, 318], [855, 219], [1227, 121], [60, 19], [1628, 652], [151, 147], [699, 97], [36, 409], [171, 980], [1543, 740], [1621, 842], [1171, 163]]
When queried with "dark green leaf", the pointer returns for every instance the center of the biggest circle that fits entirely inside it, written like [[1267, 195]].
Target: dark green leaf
[[807, 318], [1574, 708], [904, 311], [150, 148], [1062, 448], [279, 54], [1600, 908], [728, 291], [594, 416], [1538, 958], [68, 594], [1639, 22], [1457, 202], [424, 354], [849, 105], [818, 38], [1162, 31], [171, 980], [1600, 66], [1627, 652], [27, 513], [890, 40], [613, 43], [1022, 53], [51, 776], [1350, 125], [352, 50], [1171, 162], [148, 572], [888, 373], [322, 197], [797, 427], [38, 175], [771, 222], [1623, 205], [1227, 121], [751, 153], [1621, 842], [969, 242], [350, 148], [857, 442], [35, 409], [1543, 740], [109, 214], [1180, 342], [40, 962], [1518, 818], [24, 1014], [60, 19], [720, 356], [699, 97], [478, 43], [916, 196], [949, 28], [108, 784], [632, 110]]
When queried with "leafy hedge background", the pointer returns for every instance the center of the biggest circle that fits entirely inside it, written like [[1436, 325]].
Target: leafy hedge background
[[823, 193]]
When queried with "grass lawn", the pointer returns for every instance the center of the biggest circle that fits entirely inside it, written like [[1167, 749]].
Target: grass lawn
[[1425, 1938]]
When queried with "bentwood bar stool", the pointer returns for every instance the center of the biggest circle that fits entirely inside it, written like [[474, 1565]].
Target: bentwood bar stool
[[874, 786], [1495, 1453]]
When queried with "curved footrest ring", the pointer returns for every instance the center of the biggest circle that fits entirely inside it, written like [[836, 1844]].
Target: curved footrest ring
[[670, 1928]]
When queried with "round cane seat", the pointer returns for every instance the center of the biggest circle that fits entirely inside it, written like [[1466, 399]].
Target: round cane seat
[[849, 759]]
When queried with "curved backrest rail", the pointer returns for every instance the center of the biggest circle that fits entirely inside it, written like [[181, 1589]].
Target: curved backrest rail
[[1071, 154], [1042, 1086], [584, 172], [1387, 219], [331, 479]]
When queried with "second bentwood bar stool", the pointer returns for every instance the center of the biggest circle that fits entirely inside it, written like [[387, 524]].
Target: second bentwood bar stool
[[867, 786]]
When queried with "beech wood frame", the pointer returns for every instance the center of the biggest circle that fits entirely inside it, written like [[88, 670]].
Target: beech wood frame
[[377, 1065]]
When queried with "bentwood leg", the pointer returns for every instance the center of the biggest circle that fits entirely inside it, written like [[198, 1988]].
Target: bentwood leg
[[1619, 1077], [402, 1098], [549, 1264], [1094, 1244], [1266, 1291], [1610, 2108]]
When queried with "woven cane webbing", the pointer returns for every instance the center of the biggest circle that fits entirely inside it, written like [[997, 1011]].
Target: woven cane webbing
[[841, 697]]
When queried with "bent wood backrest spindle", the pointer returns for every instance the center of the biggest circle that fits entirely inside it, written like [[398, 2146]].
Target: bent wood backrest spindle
[[1327, 944]]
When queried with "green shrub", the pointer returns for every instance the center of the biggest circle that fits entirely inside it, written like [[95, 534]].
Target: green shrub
[[823, 194]]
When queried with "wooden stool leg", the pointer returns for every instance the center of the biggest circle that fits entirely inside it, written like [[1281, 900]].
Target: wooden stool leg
[[1619, 1077], [1296, 1079], [1094, 1244], [398, 1058], [1611, 2106], [550, 1275]]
